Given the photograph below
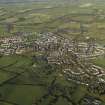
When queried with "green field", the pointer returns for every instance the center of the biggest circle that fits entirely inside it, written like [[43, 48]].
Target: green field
[[23, 84]]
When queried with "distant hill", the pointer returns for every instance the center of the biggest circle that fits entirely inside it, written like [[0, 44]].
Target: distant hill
[[14, 1], [73, 1]]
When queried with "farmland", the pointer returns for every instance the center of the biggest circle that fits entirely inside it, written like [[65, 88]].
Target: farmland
[[50, 17]]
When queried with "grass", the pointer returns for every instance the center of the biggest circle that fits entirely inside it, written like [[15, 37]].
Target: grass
[[22, 95], [7, 60], [79, 93], [4, 103], [5, 76], [100, 62], [16, 60]]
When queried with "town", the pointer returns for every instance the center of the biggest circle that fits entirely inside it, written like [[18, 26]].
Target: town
[[73, 56]]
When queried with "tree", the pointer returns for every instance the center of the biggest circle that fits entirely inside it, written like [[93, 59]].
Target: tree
[[9, 27]]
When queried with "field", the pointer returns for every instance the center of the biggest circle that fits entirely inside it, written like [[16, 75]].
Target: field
[[21, 83], [25, 80], [63, 19]]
